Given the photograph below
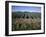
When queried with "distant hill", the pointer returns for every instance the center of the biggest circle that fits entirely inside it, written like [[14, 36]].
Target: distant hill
[[28, 11], [21, 14]]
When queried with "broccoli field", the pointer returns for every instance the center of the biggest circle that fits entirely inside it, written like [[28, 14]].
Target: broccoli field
[[26, 21]]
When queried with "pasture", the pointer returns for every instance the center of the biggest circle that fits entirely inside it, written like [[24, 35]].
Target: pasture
[[26, 21]]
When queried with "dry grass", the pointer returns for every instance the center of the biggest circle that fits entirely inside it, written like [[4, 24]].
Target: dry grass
[[27, 24]]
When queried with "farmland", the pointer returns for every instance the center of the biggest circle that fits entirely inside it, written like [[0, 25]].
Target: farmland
[[26, 21]]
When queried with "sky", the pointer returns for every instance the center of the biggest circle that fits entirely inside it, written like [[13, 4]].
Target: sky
[[26, 8]]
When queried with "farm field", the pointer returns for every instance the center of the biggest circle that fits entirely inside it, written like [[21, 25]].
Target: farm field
[[26, 21]]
